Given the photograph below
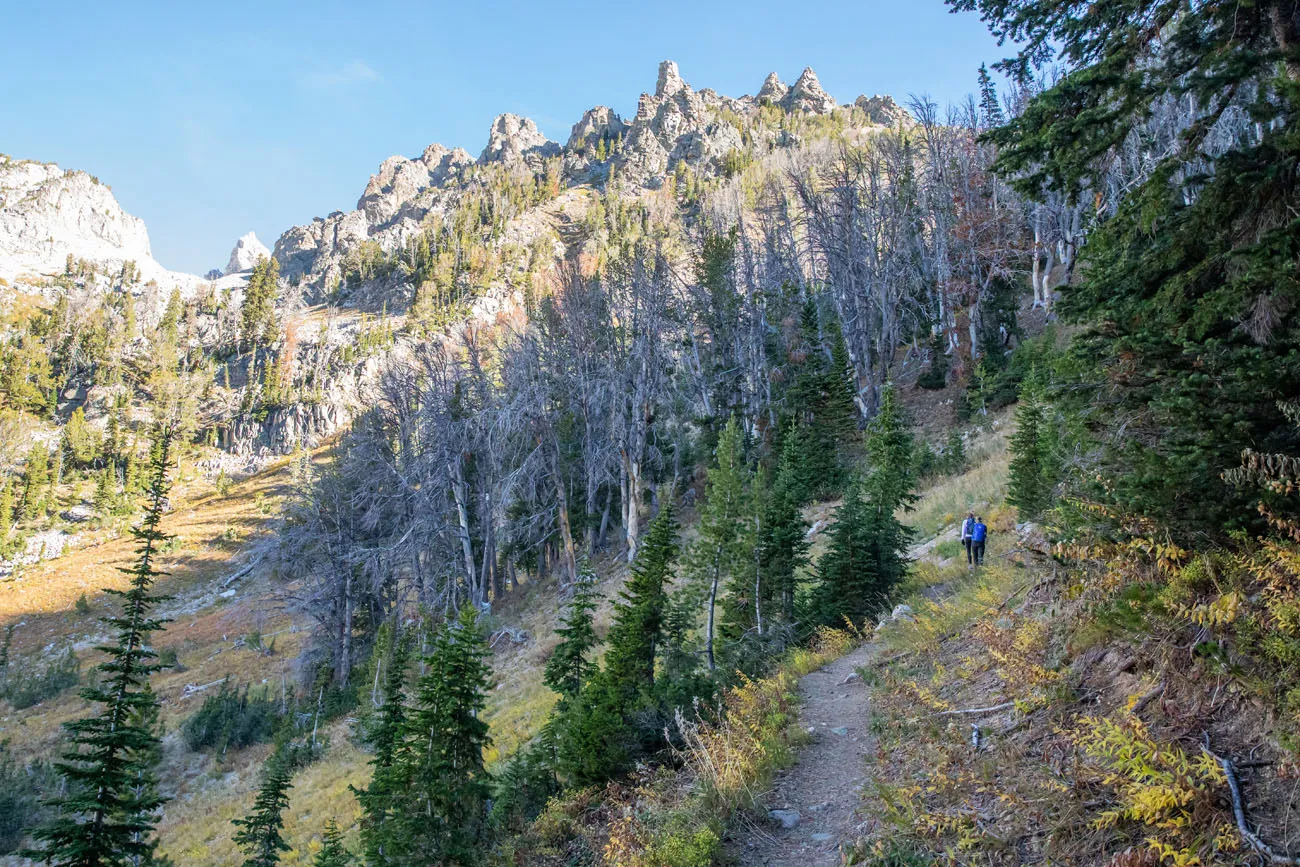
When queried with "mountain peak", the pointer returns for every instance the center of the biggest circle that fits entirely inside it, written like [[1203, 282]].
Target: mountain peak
[[670, 80], [808, 95], [248, 250], [514, 139], [773, 89]]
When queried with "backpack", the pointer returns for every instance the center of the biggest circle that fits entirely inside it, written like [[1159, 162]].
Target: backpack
[[979, 532]]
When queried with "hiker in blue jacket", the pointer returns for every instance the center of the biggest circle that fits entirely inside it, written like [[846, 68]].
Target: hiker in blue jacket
[[978, 534], [967, 527]]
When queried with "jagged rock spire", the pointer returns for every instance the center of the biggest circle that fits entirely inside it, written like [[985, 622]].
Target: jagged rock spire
[[514, 138], [808, 95], [670, 80], [773, 89]]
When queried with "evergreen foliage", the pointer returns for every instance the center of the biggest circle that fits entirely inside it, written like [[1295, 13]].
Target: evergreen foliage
[[1191, 296], [1029, 481], [332, 851], [616, 716], [384, 735], [569, 666], [257, 322], [440, 786], [260, 833], [109, 802], [721, 559]]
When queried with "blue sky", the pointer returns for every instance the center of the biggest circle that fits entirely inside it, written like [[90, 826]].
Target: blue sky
[[209, 120]]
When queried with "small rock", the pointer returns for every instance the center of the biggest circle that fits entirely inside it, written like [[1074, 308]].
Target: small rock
[[226, 594], [786, 818], [812, 729], [820, 837], [817, 808], [901, 612], [853, 677], [842, 730]]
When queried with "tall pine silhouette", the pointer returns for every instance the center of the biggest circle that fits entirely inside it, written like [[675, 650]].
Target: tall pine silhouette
[[110, 801]]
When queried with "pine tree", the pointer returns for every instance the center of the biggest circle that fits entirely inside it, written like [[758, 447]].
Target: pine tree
[[783, 545], [569, 666], [839, 411], [596, 737], [1029, 486], [6, 517], [1189, 303], [79, 441], [717, 558], [259, 835], [865, 561], [387, 782], [36, 481], [107, 809], [257, 323], [991, 114], [891, 452], [332, 851], [443, 810]]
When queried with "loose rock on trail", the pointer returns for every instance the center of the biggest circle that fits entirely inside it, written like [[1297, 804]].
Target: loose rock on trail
[[824, 787]]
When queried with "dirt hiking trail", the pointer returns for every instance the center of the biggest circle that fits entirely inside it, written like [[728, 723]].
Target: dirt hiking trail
[[824, 786]]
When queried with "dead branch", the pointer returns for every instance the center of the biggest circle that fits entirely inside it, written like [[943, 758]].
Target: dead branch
[[977, 710], [1147, 697], [1239, 811]]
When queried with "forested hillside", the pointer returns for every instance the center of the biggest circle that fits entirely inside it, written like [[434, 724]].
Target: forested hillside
[[498, 519]]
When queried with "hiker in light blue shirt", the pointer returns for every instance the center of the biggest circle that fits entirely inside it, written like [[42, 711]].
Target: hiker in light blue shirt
[[978, 534]]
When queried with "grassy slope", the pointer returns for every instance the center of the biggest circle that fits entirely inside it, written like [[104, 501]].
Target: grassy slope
[[218, 535]]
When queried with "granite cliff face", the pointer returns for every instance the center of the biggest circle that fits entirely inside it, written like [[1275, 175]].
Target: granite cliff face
[[48, 213]]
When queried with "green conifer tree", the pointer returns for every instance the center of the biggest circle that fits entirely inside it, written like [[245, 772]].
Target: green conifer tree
[[332, 851], [106, 811], [569, 666], [257, 323], [783, 545], [991, 114], [79, 440], [442, 816], [1029, 487], [36, 481], [717, 560], [891, 457], [387, 782], [260, 834], [596, 738], [1189, 302]]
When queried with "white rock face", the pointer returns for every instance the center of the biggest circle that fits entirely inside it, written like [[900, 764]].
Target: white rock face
[[515, 139], [883, 110], [248, 251], [47, 213], [773, 89], [597, 123], [807, 95]]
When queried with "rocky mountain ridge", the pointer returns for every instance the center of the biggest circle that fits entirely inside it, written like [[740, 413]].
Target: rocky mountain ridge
[[675, 124]]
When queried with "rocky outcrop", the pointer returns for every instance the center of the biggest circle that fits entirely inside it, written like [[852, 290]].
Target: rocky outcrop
[[597, 123], [515, 139], [673, 124], [883, 110], [807, 95], [247, 253], [48, 213], [773, 90], [399, 180]]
